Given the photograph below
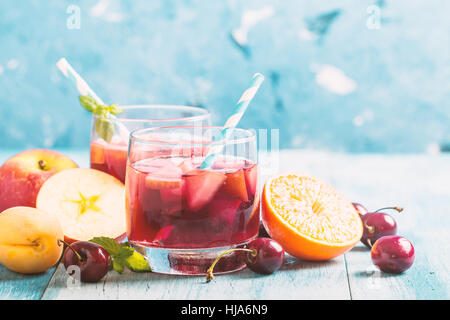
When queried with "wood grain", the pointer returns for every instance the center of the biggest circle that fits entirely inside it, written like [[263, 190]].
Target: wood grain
[[296, 280], [14, 286]]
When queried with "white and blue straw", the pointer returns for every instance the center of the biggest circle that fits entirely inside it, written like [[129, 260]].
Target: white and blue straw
[[234, 119], [84, 89]]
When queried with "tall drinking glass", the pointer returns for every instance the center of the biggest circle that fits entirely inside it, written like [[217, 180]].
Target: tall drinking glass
[[182, 217], [109, 138]]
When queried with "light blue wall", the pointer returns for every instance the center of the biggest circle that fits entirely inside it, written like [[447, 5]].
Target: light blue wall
[[332, 80]]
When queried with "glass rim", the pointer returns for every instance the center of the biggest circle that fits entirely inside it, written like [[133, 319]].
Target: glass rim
[[250, 136], [203, 113]]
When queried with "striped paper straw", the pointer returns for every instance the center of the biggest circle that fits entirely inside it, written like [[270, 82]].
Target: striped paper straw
[[84, 89], [82, 86], [234, 119]]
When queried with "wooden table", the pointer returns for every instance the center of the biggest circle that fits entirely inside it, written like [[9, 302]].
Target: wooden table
[[420, 183]]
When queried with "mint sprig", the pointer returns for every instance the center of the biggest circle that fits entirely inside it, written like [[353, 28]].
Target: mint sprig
[[103, 126], [123, 255]]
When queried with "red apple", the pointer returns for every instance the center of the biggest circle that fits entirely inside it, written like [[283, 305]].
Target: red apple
[[22, 176]]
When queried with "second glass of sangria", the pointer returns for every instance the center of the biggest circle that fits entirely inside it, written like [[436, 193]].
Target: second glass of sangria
[[182, 216], [110, 137]]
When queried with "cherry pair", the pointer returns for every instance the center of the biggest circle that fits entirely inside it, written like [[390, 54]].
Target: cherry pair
[[389, 252]]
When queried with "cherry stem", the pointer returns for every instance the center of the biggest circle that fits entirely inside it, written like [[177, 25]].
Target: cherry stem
[[369, 242], [209, 272], [71, 248], [398, 209]]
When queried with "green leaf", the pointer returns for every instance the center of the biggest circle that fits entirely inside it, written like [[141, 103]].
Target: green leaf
[[118, 265], [109, 244], [115, 109], [123, 255], [101, 110], [104, 128], [89, 103], [137, 263]]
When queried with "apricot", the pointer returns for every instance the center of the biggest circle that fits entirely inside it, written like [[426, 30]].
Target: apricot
[[29, 240]]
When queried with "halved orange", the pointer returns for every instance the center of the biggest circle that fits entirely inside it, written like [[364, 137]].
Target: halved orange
[[308, 217]]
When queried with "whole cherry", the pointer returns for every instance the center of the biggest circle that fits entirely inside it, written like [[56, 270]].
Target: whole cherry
[[393, 254], [378, 224], [263, 255], [360, 208], [92, 259]]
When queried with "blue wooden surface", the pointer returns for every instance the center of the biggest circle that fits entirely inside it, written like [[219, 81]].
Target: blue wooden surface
[[418, 182]]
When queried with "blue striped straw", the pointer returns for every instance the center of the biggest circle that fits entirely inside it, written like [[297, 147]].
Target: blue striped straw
[[234, 119], [84, 89]]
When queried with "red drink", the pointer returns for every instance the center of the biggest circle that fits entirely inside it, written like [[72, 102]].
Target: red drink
[[182, 217], [110, 158], [109, 154], [172, 204]]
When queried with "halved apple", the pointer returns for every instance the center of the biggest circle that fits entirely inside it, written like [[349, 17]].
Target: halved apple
[[87, 202]]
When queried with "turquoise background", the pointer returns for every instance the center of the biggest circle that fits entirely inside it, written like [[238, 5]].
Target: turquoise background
[[390, 91]]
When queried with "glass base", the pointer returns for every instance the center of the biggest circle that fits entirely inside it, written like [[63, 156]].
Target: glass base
[[192, 261]]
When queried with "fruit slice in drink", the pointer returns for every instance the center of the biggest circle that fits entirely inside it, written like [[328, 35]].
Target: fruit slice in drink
[[201, 186], [110, 158]]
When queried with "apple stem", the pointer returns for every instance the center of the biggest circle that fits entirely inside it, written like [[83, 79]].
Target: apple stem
[[42, 165], [398, 209], [209, 272], [71, 248]]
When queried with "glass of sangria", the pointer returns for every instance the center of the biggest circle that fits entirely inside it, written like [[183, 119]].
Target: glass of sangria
[[181, 216], [110, 137]]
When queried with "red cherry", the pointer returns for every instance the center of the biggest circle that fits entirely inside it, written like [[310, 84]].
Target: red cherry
[[92, 259], [378, 224], [360, 208], [266, 257], [263, 255], [393, 254]]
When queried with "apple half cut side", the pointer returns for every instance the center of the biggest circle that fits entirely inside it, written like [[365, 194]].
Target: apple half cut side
[[87, 202]]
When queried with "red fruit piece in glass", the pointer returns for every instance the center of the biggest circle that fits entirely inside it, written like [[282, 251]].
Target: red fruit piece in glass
[[222, 211], [251, 179], [235, 185], [201, 186]]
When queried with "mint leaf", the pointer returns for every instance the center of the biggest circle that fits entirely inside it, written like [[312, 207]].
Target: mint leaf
[[118, 265], [115, 109], [89, 103], [137, 263], [101, 111], [123, 255], [104, 128], [109, 244]]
